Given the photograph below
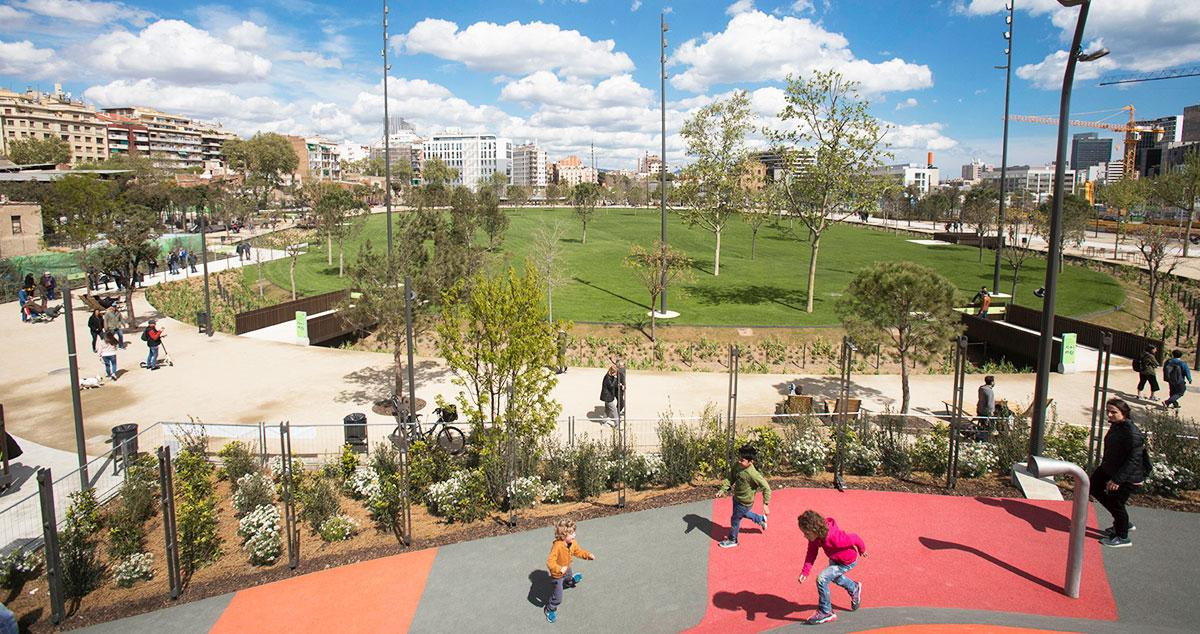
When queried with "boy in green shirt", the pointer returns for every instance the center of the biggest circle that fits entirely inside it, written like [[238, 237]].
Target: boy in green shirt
[[744, 481]]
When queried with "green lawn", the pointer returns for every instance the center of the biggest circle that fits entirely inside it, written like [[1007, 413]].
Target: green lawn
[[768, 290]]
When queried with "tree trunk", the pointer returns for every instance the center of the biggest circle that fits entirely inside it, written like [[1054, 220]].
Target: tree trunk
[[1187, 238], [814, 249], [329, 249], [1153, 297], [258, 256], [903, 381], [550, 303], [717, 255], [653, 313], [292, 274], [341, 261], [584, 240], [753, 239], [1117, 237], [1016, 273], [398, 367]]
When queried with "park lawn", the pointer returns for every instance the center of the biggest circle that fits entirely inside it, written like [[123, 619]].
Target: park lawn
[[768, 290]]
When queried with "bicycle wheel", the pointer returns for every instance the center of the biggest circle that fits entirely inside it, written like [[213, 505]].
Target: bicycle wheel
[[451, 439]]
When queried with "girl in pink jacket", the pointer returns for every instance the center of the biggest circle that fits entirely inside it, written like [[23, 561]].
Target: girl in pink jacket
[[843, 550]]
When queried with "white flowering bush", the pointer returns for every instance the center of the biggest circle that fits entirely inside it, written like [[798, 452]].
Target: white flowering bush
[[529, 491], [863, 458], [808, 453], [338, 528], [639, 470], [253, 490], [260, 530], [463, 497], [134, 568], [932, 450], [17, 566], [1168, 479], [975, 459], [363, 484], [277, 467]]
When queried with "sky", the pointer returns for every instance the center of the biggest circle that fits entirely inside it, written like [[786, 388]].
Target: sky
[[573, 74]]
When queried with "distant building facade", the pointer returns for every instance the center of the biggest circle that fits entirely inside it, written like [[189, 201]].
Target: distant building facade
[[529, 167], [36, 115], [924, 177], [20, 228], [473, 156], [1088, 149], [1036, 180]]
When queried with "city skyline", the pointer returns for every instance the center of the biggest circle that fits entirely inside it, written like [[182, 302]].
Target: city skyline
[[567, 74]]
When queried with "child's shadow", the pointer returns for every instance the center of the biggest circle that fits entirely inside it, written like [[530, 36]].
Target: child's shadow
[[752, 603], [713, 530], [540, 587]]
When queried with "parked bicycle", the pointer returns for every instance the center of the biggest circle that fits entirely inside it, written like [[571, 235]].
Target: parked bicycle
[[448, 437]]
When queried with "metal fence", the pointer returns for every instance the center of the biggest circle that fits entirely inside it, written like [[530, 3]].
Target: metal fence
[[279, 313]]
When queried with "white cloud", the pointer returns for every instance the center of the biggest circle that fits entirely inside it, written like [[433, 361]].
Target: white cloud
[[758, 47], [310, 59], [1048, 73], [10, 17], [516, 48], [741, 6], [84, 10], [244, 114], [23, 59], [907, 103], [247, 35], [918, 136], [544, 87], [802, 6], [176, 51], [637, 4]]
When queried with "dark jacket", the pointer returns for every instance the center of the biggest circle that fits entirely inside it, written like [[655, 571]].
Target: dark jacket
[[96, 323], [1149, 364], [152, 337], [1123, 447], [608, 388]]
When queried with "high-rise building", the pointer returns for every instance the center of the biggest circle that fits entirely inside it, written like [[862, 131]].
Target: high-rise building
[[174, 142], [318, 159], [1148, 160], [1088, 149], [35, 115], [1191, 124], [974, 171], [1036, 180], [474, 156], [529, 167]]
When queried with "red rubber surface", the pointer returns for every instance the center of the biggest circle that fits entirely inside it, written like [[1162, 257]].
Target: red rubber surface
[[924, 551]]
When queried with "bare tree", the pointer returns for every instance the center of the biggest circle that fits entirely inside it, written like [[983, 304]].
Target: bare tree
[[547, 258], [1154, 243], [657, 268]]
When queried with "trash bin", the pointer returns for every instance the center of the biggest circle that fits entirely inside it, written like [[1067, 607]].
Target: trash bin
[[202, 321], [122, 433], [355, 428]]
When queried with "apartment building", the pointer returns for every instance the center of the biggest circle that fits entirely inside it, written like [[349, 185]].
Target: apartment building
[[649, 165], [529, 167], [37, 115], [1037, 180], [924, 177], [474, 156], [212, 139], [404, 146], [174, 142], [318, 159], [126, 136]]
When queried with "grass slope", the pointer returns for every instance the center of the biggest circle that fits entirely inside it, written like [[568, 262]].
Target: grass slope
[[768, 290]]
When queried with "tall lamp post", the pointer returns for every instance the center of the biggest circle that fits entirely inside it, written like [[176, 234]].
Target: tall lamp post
[[387, 146], [1007, 67], [1046, 340], [662, 177]]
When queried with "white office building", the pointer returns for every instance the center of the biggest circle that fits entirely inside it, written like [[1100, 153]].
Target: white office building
[[924, 177], [529, 167], [474, 156], [1037, 180]]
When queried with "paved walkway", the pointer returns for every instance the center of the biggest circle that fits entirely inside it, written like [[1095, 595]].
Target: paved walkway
[[932, 559]]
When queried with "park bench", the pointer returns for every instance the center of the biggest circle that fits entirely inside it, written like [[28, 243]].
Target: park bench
[[851, 406], [93, 304]]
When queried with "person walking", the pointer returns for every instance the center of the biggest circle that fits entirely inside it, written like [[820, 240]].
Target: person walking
[[1123, 467], [49, 284], [192, 261], [985, 408], [1175, 373], [1147, 368], [562, 552], [152, 265], [843, 550], [153, 337], [108, 354], [172, 263], [23, 297], [112, 323], [96, 326], [609, 387], [745, 481]]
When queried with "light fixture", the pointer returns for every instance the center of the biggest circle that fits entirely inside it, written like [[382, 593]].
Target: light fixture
[[1093, 55], [1007, 35], [1072, 3]]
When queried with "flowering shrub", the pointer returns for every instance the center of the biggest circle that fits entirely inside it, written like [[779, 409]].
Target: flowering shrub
[[277, 467], [253, 490], [975, 459], [1166, 478], [236, 461], [588, 468], [528, 491], [863, 457], [17, 566], [338, 528], [1066, 442], [677, 443], [260, 530], [319, 501], [932, 449], [134, 568], [363, 484], [461, 498], [808, 453]]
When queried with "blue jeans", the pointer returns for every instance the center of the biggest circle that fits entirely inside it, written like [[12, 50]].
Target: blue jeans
[[735, 523], [1177, 392], [837, 574], [8, 621], [110, 366], [152, 358]]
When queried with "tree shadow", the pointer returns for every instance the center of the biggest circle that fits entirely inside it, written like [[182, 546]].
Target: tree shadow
[[714, 531], [771, 606], [541, 584], [1039, 519], [937, 544], [605, 290], [377, 382], [750, 295], [573, 240], [828, 387]]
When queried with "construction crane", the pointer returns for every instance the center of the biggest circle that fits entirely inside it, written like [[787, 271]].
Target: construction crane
[[1132, 131], [1170, 73]]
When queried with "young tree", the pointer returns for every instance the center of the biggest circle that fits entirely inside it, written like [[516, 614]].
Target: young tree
[[32, 151], [293, 242], [905, 306], [130, 242], [1154, 243], [517, 195], [496, 182], [584, 198], [1180, 188], [1076, 213], [439, 181], [844, 143], [715, 183], [1016, 250], [266, 158], [547, 254], [656, 272], [980, 209], [492, 217], [765, 204], [934, 206], [334, 209], [1123, 196], [82, 208]]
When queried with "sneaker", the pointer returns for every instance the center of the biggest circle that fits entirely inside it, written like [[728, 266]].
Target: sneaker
[[763, 524], [1115, 542], [1111, 531], [551, 615], [727, 543], [821, 617], [856, 597], [576, 578]]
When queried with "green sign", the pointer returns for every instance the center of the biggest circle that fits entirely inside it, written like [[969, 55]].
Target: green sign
[[301, 325], [1068, 348]]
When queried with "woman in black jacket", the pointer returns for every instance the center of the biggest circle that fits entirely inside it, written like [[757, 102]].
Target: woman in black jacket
[[1121, 470], [96, 325], [609, 393]]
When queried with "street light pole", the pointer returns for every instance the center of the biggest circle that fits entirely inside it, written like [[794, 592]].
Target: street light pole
[[1046, 340], [412, 391], [76, 403], [387, 145], [662, 178], [1004, 147], [204, 257]]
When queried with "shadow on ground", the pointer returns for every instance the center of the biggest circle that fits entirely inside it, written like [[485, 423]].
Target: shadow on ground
[[828, 387], [1039, 519], [376, 382], [753, 604], [937, 544]]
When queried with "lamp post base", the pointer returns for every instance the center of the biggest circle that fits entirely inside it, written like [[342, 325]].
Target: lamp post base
[[670, 314]]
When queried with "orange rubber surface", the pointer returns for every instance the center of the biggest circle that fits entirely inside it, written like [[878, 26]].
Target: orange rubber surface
[[371, 596]]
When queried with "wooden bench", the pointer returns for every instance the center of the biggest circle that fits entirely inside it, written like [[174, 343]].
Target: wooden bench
[[852, 406]]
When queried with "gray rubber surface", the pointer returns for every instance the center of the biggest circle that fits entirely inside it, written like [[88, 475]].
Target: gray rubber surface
[[650, 575], [195, 617]]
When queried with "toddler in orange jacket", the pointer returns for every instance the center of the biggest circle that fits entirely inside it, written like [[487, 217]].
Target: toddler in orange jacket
[[562, 551]]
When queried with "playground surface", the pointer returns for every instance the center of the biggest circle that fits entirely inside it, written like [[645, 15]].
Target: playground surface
[[970, 564]]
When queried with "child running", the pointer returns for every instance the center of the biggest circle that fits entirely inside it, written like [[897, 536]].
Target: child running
[[744, 481], [843, 550], [564, 549]]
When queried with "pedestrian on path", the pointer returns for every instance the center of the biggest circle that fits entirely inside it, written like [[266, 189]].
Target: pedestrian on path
[[108, 354], [191, 258], [153, 337], [152, 266], [562, 552], [1123, 467], [1175, 373], [96, 326], [112, 323], [609, 387], [173, 263], [745, 481], [985, 408], [843, 550], [23, 297], [1147, 368]]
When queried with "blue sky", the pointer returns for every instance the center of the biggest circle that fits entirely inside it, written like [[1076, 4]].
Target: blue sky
[[567, 73]]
